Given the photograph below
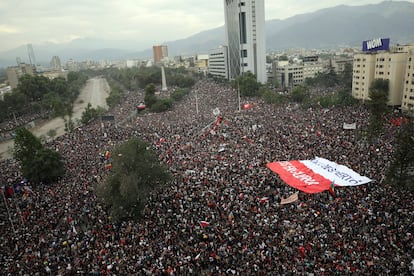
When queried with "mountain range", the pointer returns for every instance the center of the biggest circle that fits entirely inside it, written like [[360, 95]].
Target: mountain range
[[327, 28]]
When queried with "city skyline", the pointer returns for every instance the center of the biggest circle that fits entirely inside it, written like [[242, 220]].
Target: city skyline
[[148, 22]]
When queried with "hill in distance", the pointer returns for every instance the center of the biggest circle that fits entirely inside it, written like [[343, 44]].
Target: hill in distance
[[327, 28]]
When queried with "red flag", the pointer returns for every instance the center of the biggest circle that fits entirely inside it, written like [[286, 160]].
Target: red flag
[[204, 223], [264, 199]]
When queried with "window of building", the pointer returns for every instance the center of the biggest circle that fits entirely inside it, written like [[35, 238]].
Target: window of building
[[242, 26], [243, 53]]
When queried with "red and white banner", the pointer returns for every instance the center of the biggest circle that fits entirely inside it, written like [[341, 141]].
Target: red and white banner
[[316, 175]]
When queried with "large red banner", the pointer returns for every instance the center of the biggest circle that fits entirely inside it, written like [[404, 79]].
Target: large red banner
[[299, 176]]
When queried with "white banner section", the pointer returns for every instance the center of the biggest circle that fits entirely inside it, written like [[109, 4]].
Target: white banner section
[[341, 175]]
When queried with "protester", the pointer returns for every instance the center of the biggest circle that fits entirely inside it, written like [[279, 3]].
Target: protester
[[222, 213]]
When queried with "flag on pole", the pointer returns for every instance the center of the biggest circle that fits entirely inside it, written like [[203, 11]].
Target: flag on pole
[[332, 188]]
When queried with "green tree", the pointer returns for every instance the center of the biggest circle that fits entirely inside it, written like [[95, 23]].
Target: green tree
[[299, 94], [162, 105], [38, 164], [378, 94], [344, 98], [114, 96], [150, 97], [45, 167], [270, 97], [91, 113], [248, 84], [346, 76], [25, 145], [33, 87], [179, 93], [136, 172], [326, 101], [401, 170]]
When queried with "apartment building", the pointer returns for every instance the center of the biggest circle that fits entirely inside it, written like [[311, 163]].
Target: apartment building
[[408, 90], [289, 75], [393, 64], [15, 72], [218, 62]]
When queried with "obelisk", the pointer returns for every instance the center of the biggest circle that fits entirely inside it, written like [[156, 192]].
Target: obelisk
[[164, 82]]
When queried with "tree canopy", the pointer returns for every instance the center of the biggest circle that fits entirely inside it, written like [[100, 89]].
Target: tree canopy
[[401, 171], [378, 94], [38, 93], [38, 164], [135, 173], [299, 94], [248, 85]]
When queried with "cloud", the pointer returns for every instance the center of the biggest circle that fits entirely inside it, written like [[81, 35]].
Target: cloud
[[5, 29], [149, 21]]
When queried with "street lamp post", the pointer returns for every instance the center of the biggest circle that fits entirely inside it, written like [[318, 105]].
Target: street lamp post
[[238, 95], [196, 96]]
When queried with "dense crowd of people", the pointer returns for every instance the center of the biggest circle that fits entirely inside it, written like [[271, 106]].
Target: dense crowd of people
[[7, 127], [212, 220]]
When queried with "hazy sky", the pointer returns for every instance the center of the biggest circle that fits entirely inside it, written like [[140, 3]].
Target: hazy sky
[[149, 21]]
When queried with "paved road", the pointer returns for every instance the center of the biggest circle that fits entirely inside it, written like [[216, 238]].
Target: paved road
[[95, 92]]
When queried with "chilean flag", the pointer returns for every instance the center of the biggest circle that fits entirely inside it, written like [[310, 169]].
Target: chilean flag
[[316, 175]]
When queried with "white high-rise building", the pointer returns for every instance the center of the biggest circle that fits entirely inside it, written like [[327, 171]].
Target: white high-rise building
[[218, 61], [246, 38]]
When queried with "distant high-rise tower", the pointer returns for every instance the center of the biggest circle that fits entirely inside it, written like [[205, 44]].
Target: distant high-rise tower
[[160, 52], [32, 58], [55, 63], [246, 38]]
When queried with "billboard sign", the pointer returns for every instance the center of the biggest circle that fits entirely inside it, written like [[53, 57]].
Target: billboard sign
[[376, 44]]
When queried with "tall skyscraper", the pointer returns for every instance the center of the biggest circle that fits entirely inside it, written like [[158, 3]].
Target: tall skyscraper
[[55, 63], [160, 52], [246, 37], [32, 58]]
